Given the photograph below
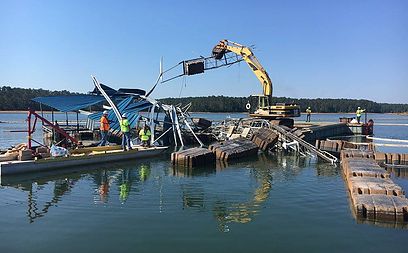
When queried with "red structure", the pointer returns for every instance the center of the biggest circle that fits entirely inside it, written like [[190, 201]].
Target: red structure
[[31, 128]]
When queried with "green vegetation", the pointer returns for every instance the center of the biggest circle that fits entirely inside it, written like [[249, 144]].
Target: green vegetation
[[20, 99], [237, 104]]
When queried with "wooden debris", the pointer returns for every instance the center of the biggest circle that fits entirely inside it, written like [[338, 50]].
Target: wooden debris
[[234, 149], [25, 155], [265, 138], [330, 146], [192, 157]]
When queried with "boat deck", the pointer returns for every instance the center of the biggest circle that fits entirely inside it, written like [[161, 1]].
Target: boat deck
[[77, 159]]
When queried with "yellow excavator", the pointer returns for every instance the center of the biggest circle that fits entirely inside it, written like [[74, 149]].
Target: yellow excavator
[[281, 111]]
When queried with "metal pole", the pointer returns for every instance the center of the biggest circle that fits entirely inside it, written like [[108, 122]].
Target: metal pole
[[77, 122], [42, 113], [29, 129], [53, 122]]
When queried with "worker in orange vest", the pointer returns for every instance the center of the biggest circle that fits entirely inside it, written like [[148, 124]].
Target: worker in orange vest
[[104, 128]]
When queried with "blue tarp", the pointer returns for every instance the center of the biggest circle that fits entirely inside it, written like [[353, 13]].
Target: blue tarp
[[69, 103], [132, 109]]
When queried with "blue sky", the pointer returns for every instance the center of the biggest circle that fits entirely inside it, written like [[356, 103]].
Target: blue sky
[[327, 49]]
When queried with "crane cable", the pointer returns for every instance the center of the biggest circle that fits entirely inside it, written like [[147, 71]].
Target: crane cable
[[183, 83]]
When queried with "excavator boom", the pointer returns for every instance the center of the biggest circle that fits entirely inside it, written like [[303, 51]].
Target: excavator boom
[[248, 56], [263, 109]]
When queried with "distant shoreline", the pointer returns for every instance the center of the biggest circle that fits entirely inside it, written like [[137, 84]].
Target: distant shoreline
[[22, 112], [350, 113]]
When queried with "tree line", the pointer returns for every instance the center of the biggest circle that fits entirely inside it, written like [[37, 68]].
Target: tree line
[[326, 105], [20, 99]]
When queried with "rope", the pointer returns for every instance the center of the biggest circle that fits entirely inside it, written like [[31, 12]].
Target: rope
[[183, 82], [386, 139]]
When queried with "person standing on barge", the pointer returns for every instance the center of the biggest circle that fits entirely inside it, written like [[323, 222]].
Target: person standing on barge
[[125, 128], [104, 128]]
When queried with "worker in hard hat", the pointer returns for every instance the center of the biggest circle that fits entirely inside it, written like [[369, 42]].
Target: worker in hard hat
[[104, 128], [125, 128], [358, 113], [144, 135], [308, 114]]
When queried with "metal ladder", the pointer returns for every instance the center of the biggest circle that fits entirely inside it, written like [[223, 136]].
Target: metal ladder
[[305, 145]]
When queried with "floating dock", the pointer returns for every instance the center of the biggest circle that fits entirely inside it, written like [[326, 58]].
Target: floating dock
[[374, 195], [20, 167], [320, 131], [221, 151], [193, 157], [234, 149]]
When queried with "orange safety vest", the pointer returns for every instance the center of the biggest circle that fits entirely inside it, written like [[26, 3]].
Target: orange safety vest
[[104, 124]]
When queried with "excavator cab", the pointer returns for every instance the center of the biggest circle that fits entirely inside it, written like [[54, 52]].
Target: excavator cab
[[256, 102]]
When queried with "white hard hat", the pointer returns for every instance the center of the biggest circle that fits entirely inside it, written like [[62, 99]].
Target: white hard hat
[[105, 112], [358, 107], [124, 115]]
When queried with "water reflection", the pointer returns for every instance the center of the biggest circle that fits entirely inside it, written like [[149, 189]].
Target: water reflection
[[182, 171], [226, 210], [233, 193], [229, 212], [398, 172], [327, 170], [104, 184], [36, 206], [41, 186], [123, 177]]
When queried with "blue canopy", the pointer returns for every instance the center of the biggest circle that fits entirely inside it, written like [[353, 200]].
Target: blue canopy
[[69, 103], [127, 106]]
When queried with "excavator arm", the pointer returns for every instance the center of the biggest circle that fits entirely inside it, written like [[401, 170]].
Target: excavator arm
[[279, 111], [225, 46]]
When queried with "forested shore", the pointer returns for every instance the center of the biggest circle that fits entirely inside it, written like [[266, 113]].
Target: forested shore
[[20, 99]]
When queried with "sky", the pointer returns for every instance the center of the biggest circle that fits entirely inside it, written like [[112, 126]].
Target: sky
[[311, 49]]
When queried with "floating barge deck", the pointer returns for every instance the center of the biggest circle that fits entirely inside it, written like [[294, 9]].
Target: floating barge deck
[[20, 167]]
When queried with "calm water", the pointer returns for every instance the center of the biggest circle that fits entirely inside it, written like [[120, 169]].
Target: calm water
[[276, 202]]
